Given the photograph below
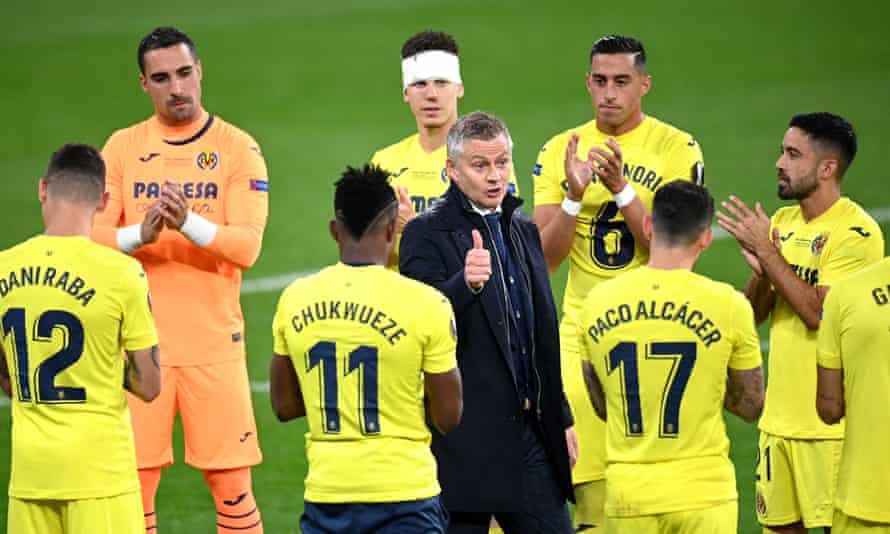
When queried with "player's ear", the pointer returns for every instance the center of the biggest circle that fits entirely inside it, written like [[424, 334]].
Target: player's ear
[[103, 202], [199, 69], [705, 239], [828, 168], [647, 227], [647, 84], [405, 95], [41, 190], [335, 233], [143, 82], [460, 90], [588, 82]]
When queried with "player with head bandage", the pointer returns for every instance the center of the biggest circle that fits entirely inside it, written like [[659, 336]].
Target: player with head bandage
[[431, 85]]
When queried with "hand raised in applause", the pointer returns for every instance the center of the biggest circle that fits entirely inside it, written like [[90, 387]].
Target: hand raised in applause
[[477, 267], [152, 224], [406, 209]]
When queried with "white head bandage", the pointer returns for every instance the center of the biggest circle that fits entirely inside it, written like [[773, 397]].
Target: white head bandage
[[430, 65]]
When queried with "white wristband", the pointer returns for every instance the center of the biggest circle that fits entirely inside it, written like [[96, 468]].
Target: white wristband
[[626, 196], [572, 207], [129, 238], [197, 229]]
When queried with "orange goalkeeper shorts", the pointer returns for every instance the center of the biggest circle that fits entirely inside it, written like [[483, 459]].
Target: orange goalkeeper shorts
[[216, 410]]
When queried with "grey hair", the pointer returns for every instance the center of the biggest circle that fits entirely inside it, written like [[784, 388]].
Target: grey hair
[[475, 125]]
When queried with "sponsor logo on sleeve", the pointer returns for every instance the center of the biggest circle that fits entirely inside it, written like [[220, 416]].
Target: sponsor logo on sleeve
[[861, 231], [259, 185], [537, 171]]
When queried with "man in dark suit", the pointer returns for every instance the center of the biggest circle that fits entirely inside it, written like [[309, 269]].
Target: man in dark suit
[[512, 453]]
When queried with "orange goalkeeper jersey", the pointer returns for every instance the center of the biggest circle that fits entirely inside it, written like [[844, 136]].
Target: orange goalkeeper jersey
[[195, 290]]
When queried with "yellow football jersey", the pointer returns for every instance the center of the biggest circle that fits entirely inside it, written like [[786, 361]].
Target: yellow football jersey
[[854, 336], [660, 342], [835, 244], [422, 173], [655, 153], [69, 309], [360, 339]]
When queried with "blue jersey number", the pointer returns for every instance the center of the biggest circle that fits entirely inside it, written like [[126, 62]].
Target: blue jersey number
[[682, 357], [15, 324], [364, 360], [611, 243]]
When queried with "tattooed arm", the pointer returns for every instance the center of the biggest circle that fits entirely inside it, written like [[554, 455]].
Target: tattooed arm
[[142, 373], [594, 390], [744, 393]]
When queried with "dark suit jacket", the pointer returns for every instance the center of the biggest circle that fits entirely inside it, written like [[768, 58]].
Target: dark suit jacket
[[480, 463]]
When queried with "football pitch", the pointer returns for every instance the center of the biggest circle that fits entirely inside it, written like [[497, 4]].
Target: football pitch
[[318, 85]]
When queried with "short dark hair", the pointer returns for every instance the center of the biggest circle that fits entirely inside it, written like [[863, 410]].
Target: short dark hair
[[361, 196], [619, 44], [429, 40], [681, 211], [76, 172], [163, 37], [831, 131]]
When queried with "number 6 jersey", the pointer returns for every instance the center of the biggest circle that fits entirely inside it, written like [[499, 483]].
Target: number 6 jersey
[[360, 339], [660, 342], [69, 309], [655, 153]]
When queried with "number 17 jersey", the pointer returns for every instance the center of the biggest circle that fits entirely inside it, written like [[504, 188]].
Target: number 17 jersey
[[660, 342], [360, 339]]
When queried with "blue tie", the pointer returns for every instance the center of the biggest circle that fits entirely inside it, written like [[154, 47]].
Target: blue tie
[[494, 222]]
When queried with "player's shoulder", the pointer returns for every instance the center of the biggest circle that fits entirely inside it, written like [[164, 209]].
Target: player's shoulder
[[851, 211], [395, 150], [562, 138], [668, 135], [787, 213], [128, 135], [232, 136], [16, 250], [114, 260]]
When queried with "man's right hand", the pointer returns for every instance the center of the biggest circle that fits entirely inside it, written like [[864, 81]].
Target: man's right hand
[[752, 260], [477, 267], [152, 224], [578, 173]]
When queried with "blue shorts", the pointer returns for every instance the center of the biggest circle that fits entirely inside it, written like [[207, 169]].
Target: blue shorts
[[426, 516]]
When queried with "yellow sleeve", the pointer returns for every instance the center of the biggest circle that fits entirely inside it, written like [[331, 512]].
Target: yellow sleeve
[[439, 353], [514, 183], [137, 323], [279, 340], [746, 344], [247, 207], [828, 351], [686, 161], [109, 220], [549, 173], [848, 252]]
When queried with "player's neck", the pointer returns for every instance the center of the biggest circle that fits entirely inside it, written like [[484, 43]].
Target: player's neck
[[820, 201], [672, 258], [433, 138], [361, 254], [69, 221], [169, 124], [635, 120]]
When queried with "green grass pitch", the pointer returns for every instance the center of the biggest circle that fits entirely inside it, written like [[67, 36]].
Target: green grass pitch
[[318, 85]]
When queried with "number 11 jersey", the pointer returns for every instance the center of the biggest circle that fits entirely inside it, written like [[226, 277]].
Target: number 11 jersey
[[360, 339], [660, 342], [69, 309]]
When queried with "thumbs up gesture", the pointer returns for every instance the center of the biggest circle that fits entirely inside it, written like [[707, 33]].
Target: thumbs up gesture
[[477, 267], [406, 209]]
